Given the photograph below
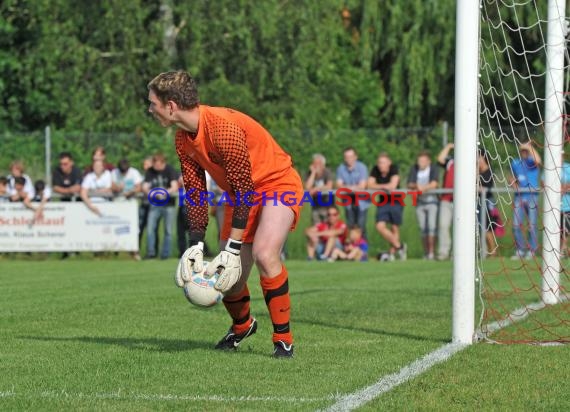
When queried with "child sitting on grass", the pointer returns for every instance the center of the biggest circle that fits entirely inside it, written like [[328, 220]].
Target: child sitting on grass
[[355, 249]]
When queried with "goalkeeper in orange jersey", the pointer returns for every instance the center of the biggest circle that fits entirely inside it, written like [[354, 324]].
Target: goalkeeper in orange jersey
[[245, 161]]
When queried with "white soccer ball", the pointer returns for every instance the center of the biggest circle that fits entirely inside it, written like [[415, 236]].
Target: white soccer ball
[[200, 291]]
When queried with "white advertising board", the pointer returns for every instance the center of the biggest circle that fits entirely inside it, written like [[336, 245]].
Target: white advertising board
[[69, 227]]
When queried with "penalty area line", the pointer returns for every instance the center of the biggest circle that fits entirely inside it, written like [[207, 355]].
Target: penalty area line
[[356, 399]]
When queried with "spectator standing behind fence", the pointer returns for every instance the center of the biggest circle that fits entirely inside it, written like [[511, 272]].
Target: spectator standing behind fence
[[4, 195], [160, 175], [126, 184], [43, 192], [490, 213], [145, 205], [445, 161], [525, 180], [66, 178], [17, 169], [424, 177], [126, 180], [19, 194], [565, 209], [99, 154], [319, 179], [384, 176], [96, 187], [353, 175]]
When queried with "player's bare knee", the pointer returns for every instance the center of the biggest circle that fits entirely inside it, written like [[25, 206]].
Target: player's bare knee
[[267, 260]]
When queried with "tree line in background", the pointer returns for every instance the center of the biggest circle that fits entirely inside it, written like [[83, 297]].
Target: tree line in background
[[342, 68]]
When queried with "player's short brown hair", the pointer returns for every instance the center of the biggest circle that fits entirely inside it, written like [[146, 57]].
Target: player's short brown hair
[[178, 86]]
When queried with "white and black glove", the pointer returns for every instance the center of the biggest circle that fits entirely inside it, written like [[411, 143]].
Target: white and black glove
[[228, 266], [191, 261]]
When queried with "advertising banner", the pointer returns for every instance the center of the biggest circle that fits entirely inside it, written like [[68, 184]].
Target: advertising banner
[[69, 227]]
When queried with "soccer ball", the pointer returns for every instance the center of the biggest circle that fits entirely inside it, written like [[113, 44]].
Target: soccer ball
[[200, 291]]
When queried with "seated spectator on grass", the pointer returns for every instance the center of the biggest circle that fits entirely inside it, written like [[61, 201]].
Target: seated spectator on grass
[[4, 195], [17, 170], [424, 177], [384, 176], [19, 194], [355, 249], [66, 178], [319, 179], [126, 180], [323, 237], [96, 187]]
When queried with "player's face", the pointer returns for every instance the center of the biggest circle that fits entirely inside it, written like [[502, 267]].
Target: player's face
[[158, 110]]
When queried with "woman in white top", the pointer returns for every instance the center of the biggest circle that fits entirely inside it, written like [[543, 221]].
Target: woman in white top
[[96, 186]]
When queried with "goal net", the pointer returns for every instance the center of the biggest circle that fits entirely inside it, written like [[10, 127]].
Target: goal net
[[524, 172]]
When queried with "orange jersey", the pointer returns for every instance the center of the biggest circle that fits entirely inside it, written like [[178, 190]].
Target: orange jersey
[[239, 154]]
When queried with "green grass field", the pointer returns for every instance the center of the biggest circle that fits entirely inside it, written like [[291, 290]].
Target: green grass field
[[118, 335]]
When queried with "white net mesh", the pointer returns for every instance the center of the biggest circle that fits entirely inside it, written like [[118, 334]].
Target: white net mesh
[[513, 77]]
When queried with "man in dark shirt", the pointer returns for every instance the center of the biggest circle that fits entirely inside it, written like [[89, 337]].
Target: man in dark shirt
[[66, 178], [384, 176], [160, 175]]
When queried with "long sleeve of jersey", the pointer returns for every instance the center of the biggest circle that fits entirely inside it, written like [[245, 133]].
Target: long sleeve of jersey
[[194, 183], [231, 143]]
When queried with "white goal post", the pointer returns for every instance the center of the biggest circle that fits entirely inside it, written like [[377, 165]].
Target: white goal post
[[467, 111], [553, 139], [466, 125]]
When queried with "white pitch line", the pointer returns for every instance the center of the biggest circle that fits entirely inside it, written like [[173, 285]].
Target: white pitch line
[[359, 398], [119, 395], [388, 382], [7, 394]]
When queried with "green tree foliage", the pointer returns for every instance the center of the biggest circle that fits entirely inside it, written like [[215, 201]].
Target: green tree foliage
[[297, 65], [84, 65]]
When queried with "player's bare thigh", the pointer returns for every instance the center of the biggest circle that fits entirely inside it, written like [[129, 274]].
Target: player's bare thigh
[[274, 226], [270, 236]]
